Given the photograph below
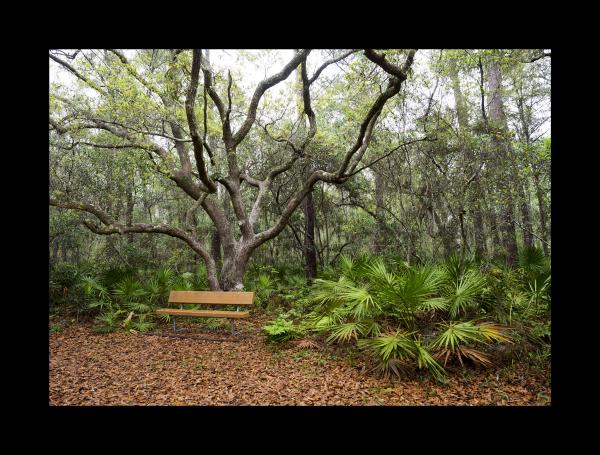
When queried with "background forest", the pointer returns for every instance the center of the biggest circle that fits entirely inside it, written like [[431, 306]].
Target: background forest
[[396, 201]]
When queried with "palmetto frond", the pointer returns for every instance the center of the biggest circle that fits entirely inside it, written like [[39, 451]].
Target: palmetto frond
[[419, 285], [453, 268], [327, 291], [165, 317], [345, 332], [465, 291], [456, 337], [346, 264], [164, 276], [426, 360], [153, 289], [433, 304], [143, 326], [371, 328], [494, 332], [455, 333], [533, 260], [91, 287], [398, 344], [359, 301], [100, 303], [378, 273], [129, 289], [137, 307]]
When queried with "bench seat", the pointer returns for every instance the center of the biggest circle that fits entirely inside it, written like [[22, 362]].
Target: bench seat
[[204, 313]]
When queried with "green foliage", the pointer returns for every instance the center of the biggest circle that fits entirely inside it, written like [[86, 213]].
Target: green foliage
[[456, 339], [464, 291], [281, 330], [395, 349], [124, 298], [107, 322], [368, 295]]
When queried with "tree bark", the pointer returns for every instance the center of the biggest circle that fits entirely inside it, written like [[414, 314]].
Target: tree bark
[[503, 151], [380, 235], [309, 238], [542, 209]]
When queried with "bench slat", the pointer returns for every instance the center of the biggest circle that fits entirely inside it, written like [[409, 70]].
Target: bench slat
[[212, 297], [204, 313]]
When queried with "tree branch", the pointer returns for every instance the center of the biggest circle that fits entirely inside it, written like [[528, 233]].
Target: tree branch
[[262, 87], [330, 62], [113, 227], [76, 73], [191, 118]]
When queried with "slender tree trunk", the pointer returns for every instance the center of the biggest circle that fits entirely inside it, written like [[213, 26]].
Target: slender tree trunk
[[479, 233], [310, 255], [523, 186], [542, 209], [380, 234], [503, 152], [526, 215], [473, 195], [129, 211], [443, 234], [309, 237]]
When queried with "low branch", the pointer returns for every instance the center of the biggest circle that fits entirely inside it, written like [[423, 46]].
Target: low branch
[[112, 227], [339, 176]]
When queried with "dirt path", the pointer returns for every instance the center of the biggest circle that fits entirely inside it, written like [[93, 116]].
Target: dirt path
[[128, 369]]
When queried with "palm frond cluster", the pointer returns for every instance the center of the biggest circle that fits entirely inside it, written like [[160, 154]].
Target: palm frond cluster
[[425, 315], [127, 299]]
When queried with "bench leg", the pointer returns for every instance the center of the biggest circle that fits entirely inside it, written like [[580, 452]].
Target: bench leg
[[174, 327], [233, 326]]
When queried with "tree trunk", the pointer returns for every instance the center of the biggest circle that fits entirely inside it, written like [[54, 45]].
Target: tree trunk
[[525, 120], [380, 234], [233, 269], [526, 215], [503, 152], [310, 255], [215, 246], [541, 205], [479, 233], [472, 197], [309, 238], [129, 210]]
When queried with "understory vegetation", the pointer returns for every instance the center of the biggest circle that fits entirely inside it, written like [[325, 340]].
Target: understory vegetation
[[429, 315], [404, 317]]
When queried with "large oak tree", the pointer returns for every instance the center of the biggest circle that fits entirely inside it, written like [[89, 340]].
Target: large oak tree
[[164, 110]]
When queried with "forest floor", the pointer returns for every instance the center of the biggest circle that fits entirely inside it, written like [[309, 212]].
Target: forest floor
[[123, 368]]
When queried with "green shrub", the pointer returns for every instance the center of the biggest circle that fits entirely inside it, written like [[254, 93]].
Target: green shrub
[[389, 312], [281, 330]]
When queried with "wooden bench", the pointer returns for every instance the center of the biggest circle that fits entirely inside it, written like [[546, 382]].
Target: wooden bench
[[208, 298]]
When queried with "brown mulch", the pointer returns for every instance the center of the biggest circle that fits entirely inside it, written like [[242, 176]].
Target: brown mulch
[[123, 368]]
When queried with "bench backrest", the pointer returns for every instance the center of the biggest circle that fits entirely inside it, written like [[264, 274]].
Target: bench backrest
[[212, 297]]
